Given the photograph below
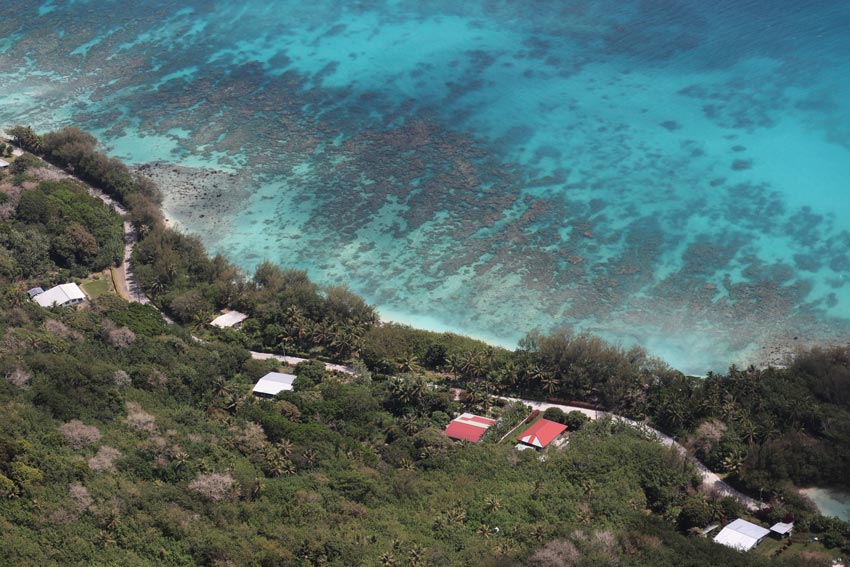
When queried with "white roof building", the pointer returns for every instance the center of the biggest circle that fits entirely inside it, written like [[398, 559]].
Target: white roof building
[[61, 295], [229, 319], [782, 528], [741, 535], [273, 383], [3, 164]]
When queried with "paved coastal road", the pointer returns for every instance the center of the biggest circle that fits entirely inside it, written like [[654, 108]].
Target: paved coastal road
[[712, 484]]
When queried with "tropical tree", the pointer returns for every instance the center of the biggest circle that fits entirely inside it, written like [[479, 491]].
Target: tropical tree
[[408, 363]]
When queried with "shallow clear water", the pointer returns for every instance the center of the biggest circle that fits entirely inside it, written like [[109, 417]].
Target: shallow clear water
[[830, 502], [668, 173]]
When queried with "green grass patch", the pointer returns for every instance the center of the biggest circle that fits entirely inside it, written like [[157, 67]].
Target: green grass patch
[[96, 288]]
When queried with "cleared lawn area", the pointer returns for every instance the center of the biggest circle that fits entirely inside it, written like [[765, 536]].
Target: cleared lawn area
[[799, 549], [96, 288]]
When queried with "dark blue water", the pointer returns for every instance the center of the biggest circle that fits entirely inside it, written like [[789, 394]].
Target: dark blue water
[[672, 174]]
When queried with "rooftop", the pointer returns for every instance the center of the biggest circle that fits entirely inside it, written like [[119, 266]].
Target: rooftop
[[741, 535], [782, 528], [60, 295], [274, 383], [229, 319], [469, 427], [542, 433]]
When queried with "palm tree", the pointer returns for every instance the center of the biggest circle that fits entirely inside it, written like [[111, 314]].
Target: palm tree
[[277, 465], [201, 319], [747, 429], [479, 395], [409, 424], [309, 457], [534, 374], [296, 321], [492, 503], [472, 364], [158, 286], [505, 547], [454, 365], [484, 531], [220, 388], [233, 402], [285, 447], [550, 383], [408, 363], [509, 374], [733, 462], [456, 516], [416, 556], [319, 332]]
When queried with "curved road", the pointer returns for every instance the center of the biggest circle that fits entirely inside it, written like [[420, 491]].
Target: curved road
[[712, 484]]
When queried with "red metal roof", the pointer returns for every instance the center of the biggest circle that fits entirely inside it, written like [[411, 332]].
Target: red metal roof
[[469, 427], [542, 433]]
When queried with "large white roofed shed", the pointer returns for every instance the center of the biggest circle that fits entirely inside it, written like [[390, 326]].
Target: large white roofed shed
[[61, 295], [274, 383], [741, 535]]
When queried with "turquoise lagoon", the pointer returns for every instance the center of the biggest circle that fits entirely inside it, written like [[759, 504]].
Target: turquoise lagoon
[[672, 174]]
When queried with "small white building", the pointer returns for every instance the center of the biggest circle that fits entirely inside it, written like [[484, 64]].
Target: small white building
[[3, 164], [230, 319], [62, 295], [273, 383], [782, 529], [741, 535]]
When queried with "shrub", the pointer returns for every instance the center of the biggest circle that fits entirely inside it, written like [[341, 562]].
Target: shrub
[[555, 414], [312, 370], [25, 475], [7, 487]]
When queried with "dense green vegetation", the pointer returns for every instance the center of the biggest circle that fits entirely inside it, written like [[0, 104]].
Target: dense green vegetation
[[126, 441], [58, 230]]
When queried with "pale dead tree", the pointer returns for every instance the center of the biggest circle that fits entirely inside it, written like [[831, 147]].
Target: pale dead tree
[[19, 377], [119, 337], [80, 496], [79, 435], [104, 460], [121, 379], [215, 486], [139, 419]]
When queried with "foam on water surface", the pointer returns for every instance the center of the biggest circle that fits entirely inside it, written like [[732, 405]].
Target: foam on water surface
[[673, 176]]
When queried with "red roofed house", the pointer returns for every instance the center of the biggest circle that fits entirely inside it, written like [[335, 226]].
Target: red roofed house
[[542, 433], [468, 427]]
